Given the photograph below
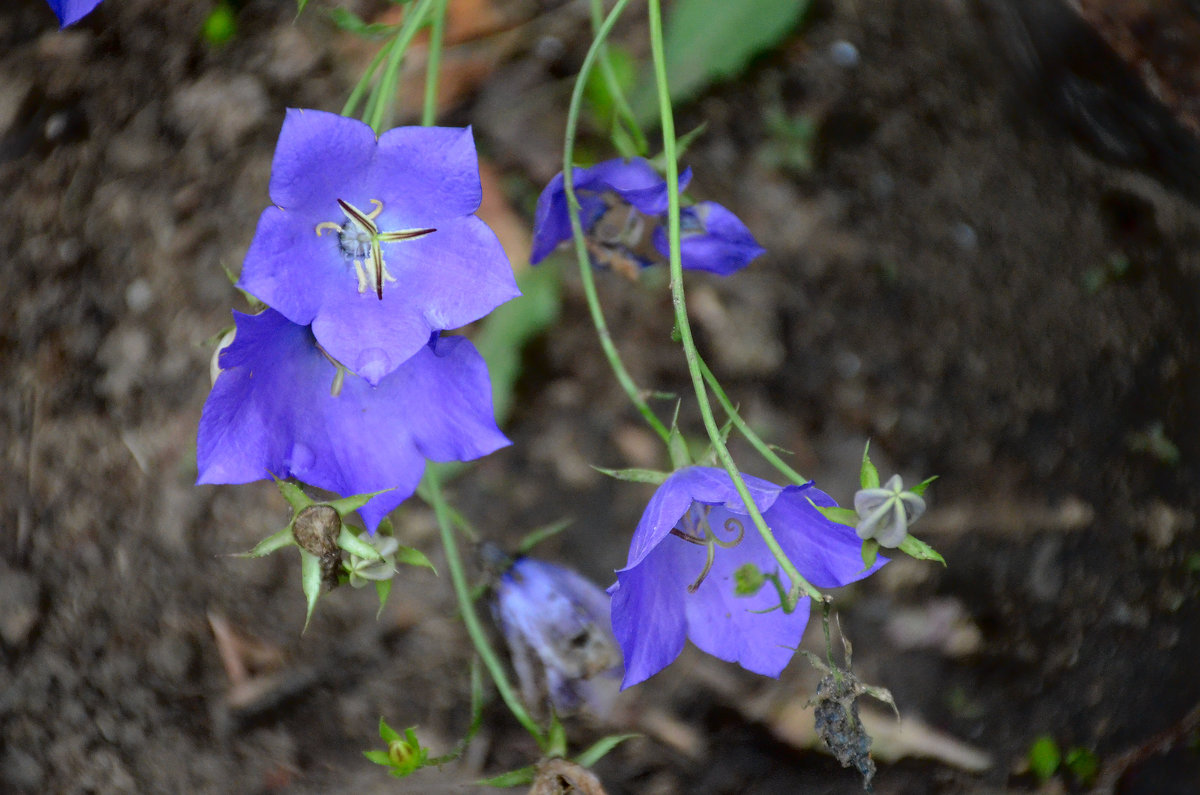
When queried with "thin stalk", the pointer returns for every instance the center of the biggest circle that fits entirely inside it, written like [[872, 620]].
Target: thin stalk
[[433, 64], [620, 103], [581, 254], [755, 440], [799, 585], [364, 82], [381, 99], [475, 630]]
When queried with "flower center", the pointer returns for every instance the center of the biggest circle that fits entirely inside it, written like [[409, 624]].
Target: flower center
[[360, 239], [695, 529]]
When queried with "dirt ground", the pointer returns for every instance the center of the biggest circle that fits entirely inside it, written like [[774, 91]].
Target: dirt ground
[[968, 264]]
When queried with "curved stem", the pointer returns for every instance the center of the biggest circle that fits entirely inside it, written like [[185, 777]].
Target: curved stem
[[385, 91], [755, 440], [433, 64], [799, 585], [364, 82], [462, 593], [581, 254]]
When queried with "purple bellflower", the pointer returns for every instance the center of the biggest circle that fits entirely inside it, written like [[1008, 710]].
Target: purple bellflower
[[273, 411], [616, 198], [374, 242], [682, 577], [551, 616], [71, 11]]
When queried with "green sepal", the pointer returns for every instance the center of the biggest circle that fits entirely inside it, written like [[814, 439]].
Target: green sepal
[[513, 778], [635, 475], [869, 475], [748, 580], [348, 541], [310, 580], [352, 503], [540, 534], [413, 557], [677, 446], [915, 547], [386, 732], [382, 588], [919, 489], [870, 551], [837, 514], [271, 543], [379, 757], [682, 143], [294, 495], [599, 749]]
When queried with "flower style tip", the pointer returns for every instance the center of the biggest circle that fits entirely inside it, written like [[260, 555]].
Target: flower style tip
[[550, 615], [71, 11], [689, 566], [374, 241], [280, 406]]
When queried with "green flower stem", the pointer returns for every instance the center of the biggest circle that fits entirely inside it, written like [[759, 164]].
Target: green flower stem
[[385, 90], [755, 441], [364, 82], [462, 593], [620, 103], [433, 64], [581, 254], [799, 585]]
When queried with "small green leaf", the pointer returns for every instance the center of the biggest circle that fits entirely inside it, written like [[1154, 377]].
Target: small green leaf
[[352, 23], [413, 557], [294, 495], [379, 757], [1044, 757], [919, 489], [283, 538], [386, 732], [513, 778], [352, 503], [538, 535], [837, 514], [348, 541], [601, 747], [869, 475], [382, 589], [870, 551], [677, 446], [635, 475], [915, 547], [310, 580]]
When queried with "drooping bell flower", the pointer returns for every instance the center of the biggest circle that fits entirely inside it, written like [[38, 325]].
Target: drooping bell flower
[[71, 11]]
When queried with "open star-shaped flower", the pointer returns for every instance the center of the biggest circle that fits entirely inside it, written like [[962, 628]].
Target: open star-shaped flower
[[374, 242], [685, 573], [272, 411], [619, 201], [71, 11]]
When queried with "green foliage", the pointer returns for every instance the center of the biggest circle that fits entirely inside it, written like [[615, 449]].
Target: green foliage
[[1083, 764], [220, 26], [1044, 757], [635, 475], [916, 548], [711, 40], [748, 580], [513, 778], [353, 23], [601, 747], [540, 534], [868, 476], [870, 551], [403, 756]]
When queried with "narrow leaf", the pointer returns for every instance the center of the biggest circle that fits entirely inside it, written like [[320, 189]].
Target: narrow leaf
[[919, 489], [283, 538], [348, 541], [379, 757], [383, 588], [870, 551], [537, 536], [835, 514], [513, 778], [352, 503], [869, 475], [601, 747], [911, 545], [310, 579], [386, 732], [635, 475], [413, 557], [294, 495]]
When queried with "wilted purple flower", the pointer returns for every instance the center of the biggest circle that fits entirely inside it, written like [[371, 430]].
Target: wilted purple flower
[[374, 241], [885, 513], [553, 616], [71, 11], [711, 239], [682, 576], [272, 411]]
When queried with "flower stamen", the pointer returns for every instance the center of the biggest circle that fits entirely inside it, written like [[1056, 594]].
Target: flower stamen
[[360, 240]]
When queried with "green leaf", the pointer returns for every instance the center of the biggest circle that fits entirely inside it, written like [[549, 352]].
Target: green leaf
[[386, 732], [352, 503], [635, 475], [348, 541], [413, 557], [1083, 764], [310, 580], [510, 327], [710, 40], [513, 778], [919, 489], [283, 538], [601, 747], [300, 4], [915, 547], [294, 495], [379, 757], [556, 738], [352, 23], [1044, 757], [870, 551], [540, 534], [382, 589], [869, 475], [220, 26]]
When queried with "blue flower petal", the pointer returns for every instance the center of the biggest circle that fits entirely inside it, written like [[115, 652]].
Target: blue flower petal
[[271, 411], [713, 239], [71, 11]]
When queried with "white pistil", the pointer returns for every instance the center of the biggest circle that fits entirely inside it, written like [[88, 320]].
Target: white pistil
[[359, 239]]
